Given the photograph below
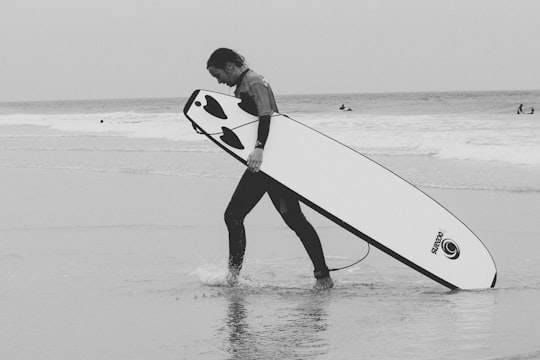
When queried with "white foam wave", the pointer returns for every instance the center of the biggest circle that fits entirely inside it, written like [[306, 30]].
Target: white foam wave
[[171, 126], [524, 155], [123, 170], [477, 137], [112, 149], [505, 188], [497, 138]]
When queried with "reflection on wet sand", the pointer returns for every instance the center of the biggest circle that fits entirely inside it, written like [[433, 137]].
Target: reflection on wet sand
[[295, 331]]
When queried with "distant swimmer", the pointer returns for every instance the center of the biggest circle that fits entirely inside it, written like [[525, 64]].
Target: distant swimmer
[[343, 108], [532, 110], [520, 109]]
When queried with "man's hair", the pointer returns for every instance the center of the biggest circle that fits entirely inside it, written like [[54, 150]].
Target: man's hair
[[222, 56]]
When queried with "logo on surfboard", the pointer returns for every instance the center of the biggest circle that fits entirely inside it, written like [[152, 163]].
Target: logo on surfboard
[[449, 247]]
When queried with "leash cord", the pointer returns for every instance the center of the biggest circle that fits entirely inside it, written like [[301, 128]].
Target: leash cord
[[354, 263]]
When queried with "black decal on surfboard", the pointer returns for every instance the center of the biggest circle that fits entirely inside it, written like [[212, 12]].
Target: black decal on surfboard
[[450, 249], [213, 108], [230, 138], [248, 105]]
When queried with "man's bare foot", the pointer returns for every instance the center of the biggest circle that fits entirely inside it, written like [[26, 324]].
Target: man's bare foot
[[324, 283], [232, 277]]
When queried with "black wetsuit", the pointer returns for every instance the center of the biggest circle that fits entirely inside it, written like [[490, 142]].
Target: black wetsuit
[[253, 185]]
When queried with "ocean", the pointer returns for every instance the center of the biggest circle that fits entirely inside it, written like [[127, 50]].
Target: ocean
[[470, 150], [490, 146]]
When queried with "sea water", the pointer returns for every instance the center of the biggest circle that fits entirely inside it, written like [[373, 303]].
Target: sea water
[[472, 142], [479, 133]]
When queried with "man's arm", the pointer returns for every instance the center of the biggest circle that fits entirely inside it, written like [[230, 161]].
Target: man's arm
[[261, 97], [263, 131]]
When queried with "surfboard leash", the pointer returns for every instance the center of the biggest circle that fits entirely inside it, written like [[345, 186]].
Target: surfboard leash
[[200, 132], [354, 263]]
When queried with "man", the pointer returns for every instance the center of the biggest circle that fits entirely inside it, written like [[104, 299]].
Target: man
[[229, 68]]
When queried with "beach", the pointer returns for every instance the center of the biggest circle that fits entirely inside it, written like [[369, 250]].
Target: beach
[[113, 246]]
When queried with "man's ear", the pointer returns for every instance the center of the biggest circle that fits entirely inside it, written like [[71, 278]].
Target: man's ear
[[229, 68]]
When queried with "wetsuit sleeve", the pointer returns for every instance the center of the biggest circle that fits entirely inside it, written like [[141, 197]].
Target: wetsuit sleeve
[[263, 131]]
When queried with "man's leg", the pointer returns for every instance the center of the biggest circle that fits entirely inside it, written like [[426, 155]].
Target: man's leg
[[249, 191], [287, 204]]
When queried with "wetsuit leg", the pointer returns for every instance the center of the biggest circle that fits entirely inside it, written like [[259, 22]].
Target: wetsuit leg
[[288, 206], [249, 191]]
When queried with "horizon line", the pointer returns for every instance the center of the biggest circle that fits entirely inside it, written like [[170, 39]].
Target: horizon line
[[277, 95]]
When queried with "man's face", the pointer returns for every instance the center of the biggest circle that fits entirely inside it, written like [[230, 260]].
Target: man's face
[[222, 75]]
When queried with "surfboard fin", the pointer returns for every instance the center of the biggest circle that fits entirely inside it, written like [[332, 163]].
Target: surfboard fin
[[230, 138]]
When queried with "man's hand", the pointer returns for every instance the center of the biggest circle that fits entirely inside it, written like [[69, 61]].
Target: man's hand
[[254, 160]]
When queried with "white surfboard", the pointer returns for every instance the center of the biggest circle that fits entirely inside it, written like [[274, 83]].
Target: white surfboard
[[352, 190]]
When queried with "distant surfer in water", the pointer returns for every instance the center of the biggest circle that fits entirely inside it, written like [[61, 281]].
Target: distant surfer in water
[[342, 107], [229, 68], [520, 109]]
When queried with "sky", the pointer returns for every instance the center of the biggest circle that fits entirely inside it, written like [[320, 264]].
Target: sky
[[99, 49]]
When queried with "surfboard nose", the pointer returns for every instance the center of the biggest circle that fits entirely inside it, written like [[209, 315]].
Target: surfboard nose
[[200, 103], [190, 101]]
